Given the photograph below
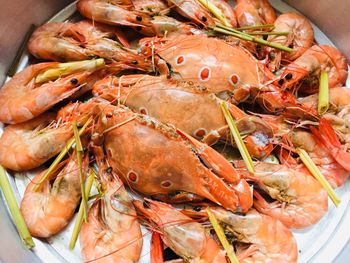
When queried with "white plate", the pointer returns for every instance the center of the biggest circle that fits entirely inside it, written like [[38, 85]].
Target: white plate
[[320, 243]]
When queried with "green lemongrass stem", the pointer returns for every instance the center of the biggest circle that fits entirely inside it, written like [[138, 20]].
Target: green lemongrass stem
[[230, 31], [16, 214], [262, 33], [323, 94], [237, 137], [318, 175], [79, 150], [79, 221], [221, 235], [61, 155], [63, 69], [215, 11], [269, 26]]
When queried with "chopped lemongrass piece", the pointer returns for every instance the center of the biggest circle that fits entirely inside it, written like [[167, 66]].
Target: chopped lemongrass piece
[[237, 137], [79, 151], [269, 33], [63, 69], [269, 26], [61, 155], [79, 221], [233, 32], [323, 94], [14, 210], [215, 11], [221, 235], [311, 166]]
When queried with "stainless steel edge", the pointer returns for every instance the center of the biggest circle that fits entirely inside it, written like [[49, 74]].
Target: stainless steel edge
[[15, 17]]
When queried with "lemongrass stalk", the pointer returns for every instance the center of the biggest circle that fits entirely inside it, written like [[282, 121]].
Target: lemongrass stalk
[[269, 26], [16, 214], [63, 69], [215, 11], [61, 155], [237, 137], [261, 33], [79, 221], [232, 32], [221, 235], [79, 151], [318, 175], [323, 94]]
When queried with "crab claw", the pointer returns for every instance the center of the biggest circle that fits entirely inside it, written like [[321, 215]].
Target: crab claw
[[220, 166], [185, 237]]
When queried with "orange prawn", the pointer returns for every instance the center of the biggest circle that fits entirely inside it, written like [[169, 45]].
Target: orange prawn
[[49, 209], [27, 145]]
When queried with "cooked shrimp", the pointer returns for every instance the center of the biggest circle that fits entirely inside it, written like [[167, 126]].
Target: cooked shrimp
[[300, 198], [305, 71], [112, 233], [49, 209], [22, 99], [184, 236], [300, 38], [193, 10], [329, 138], [257, 237], [113, 13], [329, 167], [254, 12], [338, 112], [49, 42], [82, 40], [27, 145]]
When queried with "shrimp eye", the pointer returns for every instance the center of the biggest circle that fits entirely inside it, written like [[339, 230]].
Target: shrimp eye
[[281, 81], [204, 19], [289, 76], [109, 170], [139, 18], [146, 204], [135, 62], [197, 208], [74, 81]]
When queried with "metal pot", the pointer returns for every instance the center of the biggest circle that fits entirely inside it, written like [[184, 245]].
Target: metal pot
[[16, 16]]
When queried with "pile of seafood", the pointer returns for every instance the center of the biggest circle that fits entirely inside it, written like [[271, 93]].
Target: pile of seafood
[[144, 84]]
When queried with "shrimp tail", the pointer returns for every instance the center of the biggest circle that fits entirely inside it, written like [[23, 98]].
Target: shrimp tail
[[328, 137]]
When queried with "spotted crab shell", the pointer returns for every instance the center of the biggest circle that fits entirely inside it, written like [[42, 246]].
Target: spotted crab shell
[[212, 62]]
